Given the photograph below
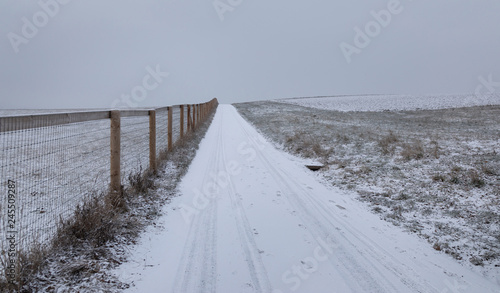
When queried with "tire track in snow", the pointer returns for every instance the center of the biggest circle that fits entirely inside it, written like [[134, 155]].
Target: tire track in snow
[[197, 272], [321, 222], [317, 228], [198, 267], [257, 270]]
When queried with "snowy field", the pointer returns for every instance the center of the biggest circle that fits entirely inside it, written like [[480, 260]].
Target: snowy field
[[56, 168], [434, 173], [252, 218], [395, 102]]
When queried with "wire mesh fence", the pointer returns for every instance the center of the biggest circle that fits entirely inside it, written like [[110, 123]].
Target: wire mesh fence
[[51, 163], [176, 116], [184, 119], [134, 146], [161, 130], [53, 169]]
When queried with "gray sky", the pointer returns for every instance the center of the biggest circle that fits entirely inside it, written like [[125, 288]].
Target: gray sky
[[95, 53]]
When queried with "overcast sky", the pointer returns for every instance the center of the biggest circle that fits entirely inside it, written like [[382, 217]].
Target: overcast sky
[[143, 53]]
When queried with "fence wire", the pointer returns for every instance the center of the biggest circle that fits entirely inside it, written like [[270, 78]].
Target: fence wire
[[176, 126], [161, 131], [134, 146], [185, 120], [53, 169]]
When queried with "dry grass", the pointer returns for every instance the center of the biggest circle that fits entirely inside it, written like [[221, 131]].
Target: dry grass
[[475, 179], [413, 151], [141, 182], [26, 265], [306, 145], [388, 143], [97, 221], [439, 178], [490, 170]]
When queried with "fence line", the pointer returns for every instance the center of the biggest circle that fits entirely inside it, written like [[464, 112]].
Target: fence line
[[52, 162]]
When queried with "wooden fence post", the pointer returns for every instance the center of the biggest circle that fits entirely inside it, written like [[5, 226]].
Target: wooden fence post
[[189, 117], [198, 114], [194, 117], [115, 180], [182, 121], [152, 140], [170, 143]]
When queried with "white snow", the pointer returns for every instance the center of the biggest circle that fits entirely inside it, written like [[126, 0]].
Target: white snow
[[395, 102], [251, 218]]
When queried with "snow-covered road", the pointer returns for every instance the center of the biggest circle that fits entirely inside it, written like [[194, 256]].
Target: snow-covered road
[[251, 218]]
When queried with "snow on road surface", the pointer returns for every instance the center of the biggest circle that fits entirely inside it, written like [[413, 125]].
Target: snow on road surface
[[251, 218]]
